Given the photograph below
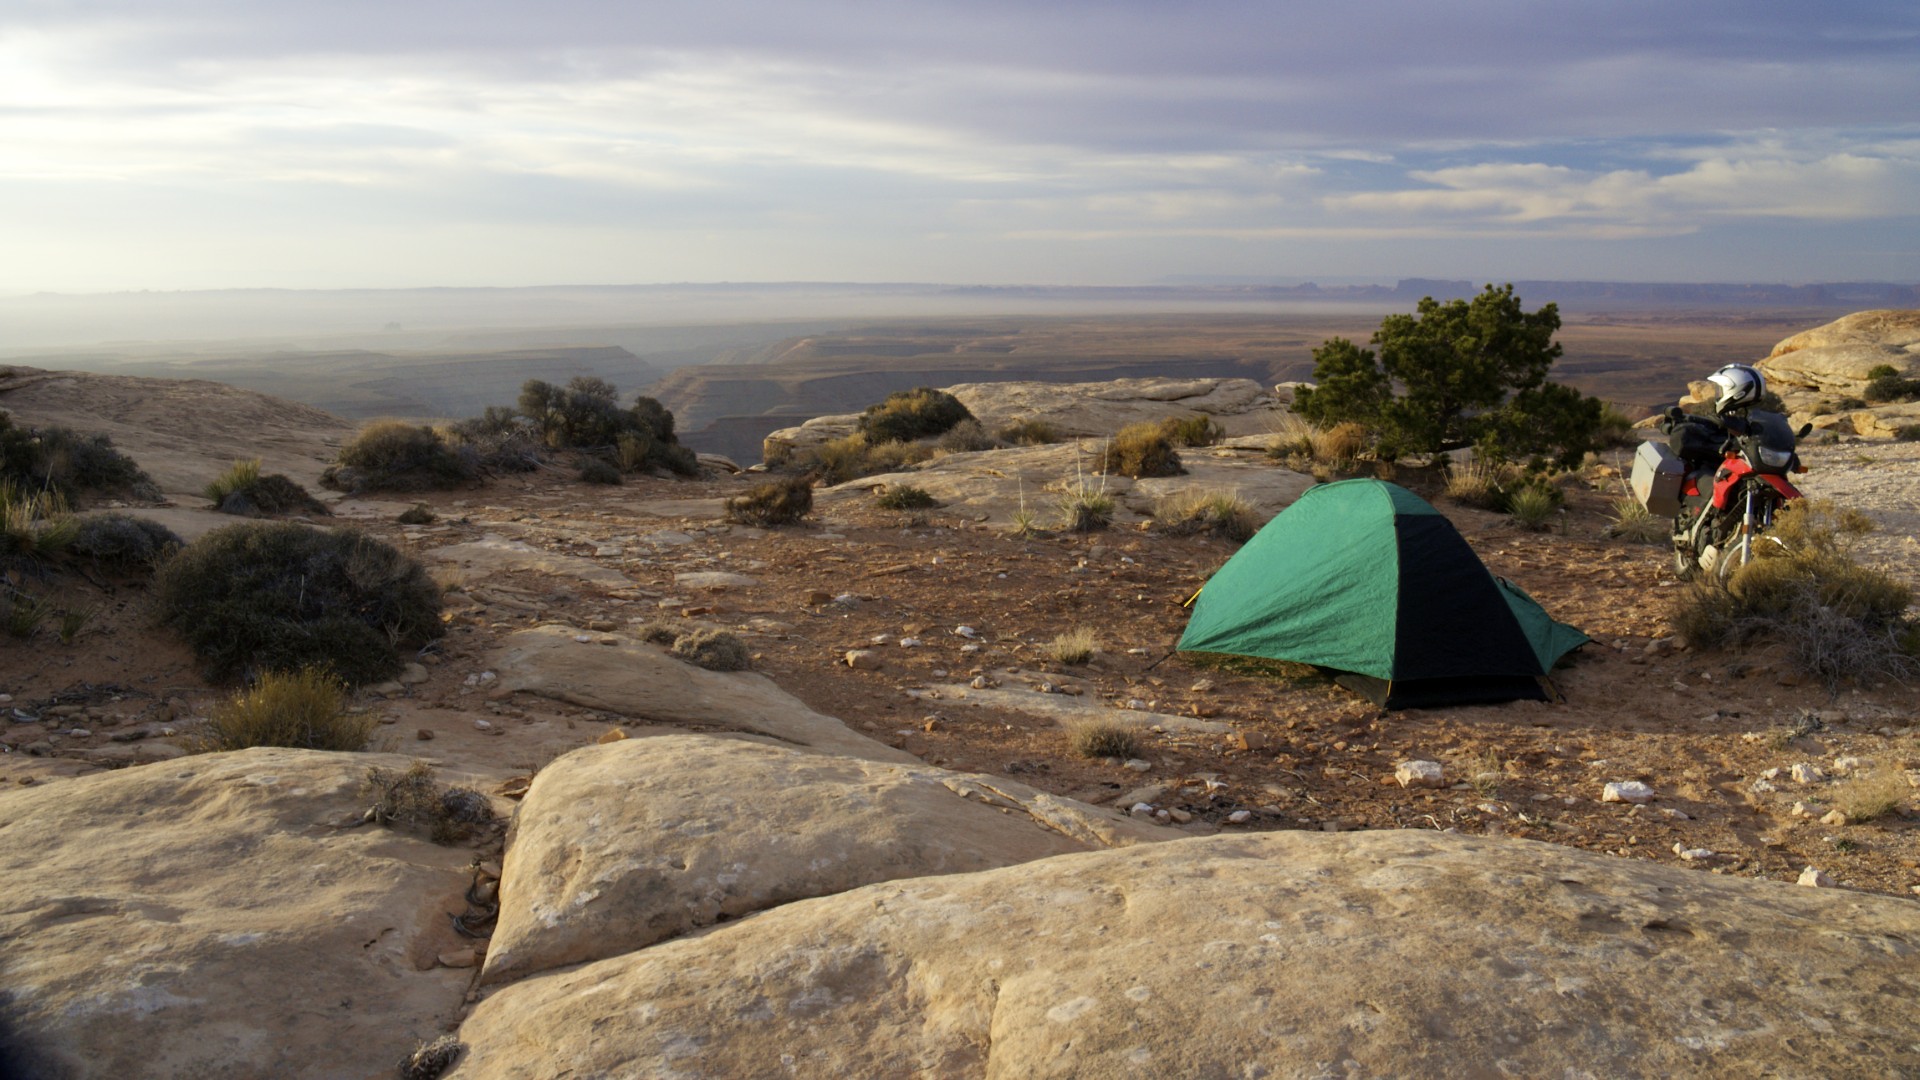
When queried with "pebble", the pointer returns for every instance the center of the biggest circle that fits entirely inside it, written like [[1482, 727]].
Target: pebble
[[424, 734], [909, 642], [1844, 765], [1676, 813], [584, 639], [1694, 854], [1805, 773], [482, 725], [863, 660], [1815, 879], [969, 648], [1426, 774], [980, 682], [1180, 817], [1627, 791], [1240, 817], [1137, 765], [1138, 652], [1801, 809], [1140, 808], [1833, 817], [78, 733], [1136, 704], [966, 632], [1202, 686]]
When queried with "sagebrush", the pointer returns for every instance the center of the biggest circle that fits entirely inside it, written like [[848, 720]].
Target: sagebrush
[[778, 502]]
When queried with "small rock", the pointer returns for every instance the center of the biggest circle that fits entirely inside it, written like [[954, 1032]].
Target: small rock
[[458, 958], [78, 733], [584, 639], [966, 632], [1627, 791], [1805, 773], [1844, 765], [1136, 704], [1676, 813], [613, 735], [1815, 879], [909, 642], [1762, 787], [1771, 774], [863, 660], [1138, 809], [1250, 741], [879, 639], [482, 725], [424, 734], [1202, 686], [1833, 817], [819, 599], [1240, 817], [1138, 652], [413, 675], [1426, 774], [1179, 816], [1801, 809], [969, 648], [1697, 854], [1138, 765]]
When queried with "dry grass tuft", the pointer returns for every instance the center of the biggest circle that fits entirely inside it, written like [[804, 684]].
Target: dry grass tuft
[[1103, 739], [1076, 646], [1479, 483], [1871, 795], [1341, 445], [1221, 513], [417, 799], [1532, 507], [305, 709], [780, 502], [715, 650], [1635, 523]]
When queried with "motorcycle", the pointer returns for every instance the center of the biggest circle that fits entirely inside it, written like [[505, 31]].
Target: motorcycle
[[1722, 481]]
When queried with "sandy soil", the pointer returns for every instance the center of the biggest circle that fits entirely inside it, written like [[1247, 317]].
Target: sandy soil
[[1705, 730]]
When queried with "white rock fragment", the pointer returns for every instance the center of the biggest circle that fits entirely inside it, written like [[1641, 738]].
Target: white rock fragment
[[1815, 879], [1805, 773], [1770, 774], [862, 659], [1240, 817], [482, 725], [1627, 791], [1762, 787], [1801, 809], [967, 632], [980, 682], [1140, 809], [909, 642], [1426, 774], [1676, 813], [1697, 854], [584, 639], [1842, 766], [969, 648], [1137, 765], [1833, 817]]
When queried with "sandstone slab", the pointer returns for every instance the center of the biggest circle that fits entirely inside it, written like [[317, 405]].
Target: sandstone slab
[[208, 917], [1837, 357], [638, 680], [619, 846], [1282, 954], [493, 554]]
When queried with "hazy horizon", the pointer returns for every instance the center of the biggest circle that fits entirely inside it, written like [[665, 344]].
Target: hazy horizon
[[220, 144]]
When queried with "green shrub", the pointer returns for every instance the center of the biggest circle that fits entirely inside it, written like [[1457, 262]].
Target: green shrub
[[416, 798], [1532, 506], [242, 491], [595, 471], [1192, 430], [853, 456], [1891, 388], [1881, 371], [392, 455], [305, 709], [275, 596], [64, 462], [905, 497], [1851, 402], [715, 650], [906, 415], [1029, 433], [779, 502], [124, 542], [1139, 450], [1103, 739]]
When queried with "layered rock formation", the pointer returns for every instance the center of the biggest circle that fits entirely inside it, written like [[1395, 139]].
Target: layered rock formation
[[1822, 373], [1374, 954]]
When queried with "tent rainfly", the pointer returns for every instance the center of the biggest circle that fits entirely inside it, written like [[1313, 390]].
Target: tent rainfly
[[1366, 579]]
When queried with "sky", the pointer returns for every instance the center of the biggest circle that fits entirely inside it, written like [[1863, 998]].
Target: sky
[[195, 144]]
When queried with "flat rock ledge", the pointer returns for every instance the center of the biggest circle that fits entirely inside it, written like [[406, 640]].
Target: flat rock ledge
[[1279, 955]]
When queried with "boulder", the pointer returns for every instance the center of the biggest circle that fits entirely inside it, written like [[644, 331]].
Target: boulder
[[619, 846], [638, 680], [1279, 954], [214, 917], [1241, 406], [1836, 357]]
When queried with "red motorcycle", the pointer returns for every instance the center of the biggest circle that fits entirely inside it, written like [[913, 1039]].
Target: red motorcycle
[[1721, 481]]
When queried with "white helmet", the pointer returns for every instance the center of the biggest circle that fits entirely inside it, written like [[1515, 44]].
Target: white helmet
[[1740, 386]]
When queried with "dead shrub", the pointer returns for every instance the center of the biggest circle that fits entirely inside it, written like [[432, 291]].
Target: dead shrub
[[305, 709], [417, 799], [1029, 433], [966, 437], [778, 502], [1219, 513], [1192, 430], [715, 650], [1103, 739], [1140, 450]]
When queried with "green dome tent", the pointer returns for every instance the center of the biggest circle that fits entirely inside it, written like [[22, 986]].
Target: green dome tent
[[1366, 579]]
